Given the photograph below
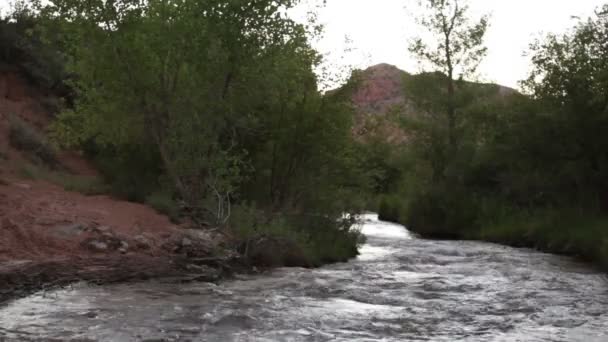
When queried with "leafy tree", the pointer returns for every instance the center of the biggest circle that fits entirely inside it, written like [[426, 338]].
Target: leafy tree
[[454, 48], [175, 74]]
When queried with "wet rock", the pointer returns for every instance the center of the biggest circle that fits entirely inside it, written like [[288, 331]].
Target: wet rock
[[91, 314], [236, 321]]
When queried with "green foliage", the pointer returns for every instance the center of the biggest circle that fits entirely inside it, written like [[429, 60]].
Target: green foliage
[[24, 137], [214, 104], [563, 231], [165, 204], [525, 170], [391, 208], [457, 45], [309, 240], [212, 87], [28, 43], [133, 172]]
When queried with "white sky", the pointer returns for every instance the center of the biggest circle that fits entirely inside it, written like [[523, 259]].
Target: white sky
[[379, 31]]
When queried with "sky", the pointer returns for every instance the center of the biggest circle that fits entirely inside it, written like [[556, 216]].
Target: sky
[[361, 33], [379, 31]]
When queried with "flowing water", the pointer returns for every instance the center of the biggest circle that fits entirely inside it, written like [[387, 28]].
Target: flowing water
[[400, 289]]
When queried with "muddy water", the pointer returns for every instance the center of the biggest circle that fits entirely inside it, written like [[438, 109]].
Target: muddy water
[[399, 289]]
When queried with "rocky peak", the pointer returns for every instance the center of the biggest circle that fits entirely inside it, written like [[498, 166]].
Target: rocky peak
[[381, 87]]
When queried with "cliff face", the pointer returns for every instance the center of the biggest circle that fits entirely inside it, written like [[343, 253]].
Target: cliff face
[[380, 88]]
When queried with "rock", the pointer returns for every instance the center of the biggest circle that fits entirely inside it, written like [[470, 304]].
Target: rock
[[103, 229], [108, 235], [23, 186], [124, 247], [237, 321], [98, 246], [69, 231], [142, 242], [91, 314]]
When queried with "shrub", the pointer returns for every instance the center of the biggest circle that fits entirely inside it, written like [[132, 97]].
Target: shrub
[[292, 240], [24, 137], [164, 203], [133, 171], [390, 209], [563, 231], [440, 213]]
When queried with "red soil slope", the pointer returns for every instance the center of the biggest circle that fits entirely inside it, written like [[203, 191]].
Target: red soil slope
[[41, 221]]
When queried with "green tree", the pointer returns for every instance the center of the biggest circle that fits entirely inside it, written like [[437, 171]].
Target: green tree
[[176, 74], [454, 48]]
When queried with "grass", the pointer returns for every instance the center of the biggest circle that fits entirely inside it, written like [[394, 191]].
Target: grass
[[83, 184]]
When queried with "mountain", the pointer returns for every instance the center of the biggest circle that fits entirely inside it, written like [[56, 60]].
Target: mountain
[[380, 98]]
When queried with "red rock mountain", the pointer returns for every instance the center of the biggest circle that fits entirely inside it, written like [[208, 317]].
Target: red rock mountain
[[380, 98], [380, 88]]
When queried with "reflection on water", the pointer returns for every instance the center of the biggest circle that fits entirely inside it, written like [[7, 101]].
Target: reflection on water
[[399, 289]]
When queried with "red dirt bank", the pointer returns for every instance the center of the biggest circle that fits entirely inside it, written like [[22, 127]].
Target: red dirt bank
[[52, 236]]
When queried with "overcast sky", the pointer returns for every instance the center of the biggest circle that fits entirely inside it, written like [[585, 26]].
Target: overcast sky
[[379, 31]]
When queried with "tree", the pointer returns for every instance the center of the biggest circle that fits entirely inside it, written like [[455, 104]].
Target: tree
[[181, 76], [570, 80], [454, 48]]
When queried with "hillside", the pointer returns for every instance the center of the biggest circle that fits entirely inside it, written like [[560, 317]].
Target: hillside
[[380, 97], [56, 226]]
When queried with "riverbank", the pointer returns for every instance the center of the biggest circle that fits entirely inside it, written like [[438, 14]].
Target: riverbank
[[22, 278], [51, 237], [563, 232], [560, 232]]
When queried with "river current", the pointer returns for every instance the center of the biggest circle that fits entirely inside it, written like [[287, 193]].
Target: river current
[[400, 288]]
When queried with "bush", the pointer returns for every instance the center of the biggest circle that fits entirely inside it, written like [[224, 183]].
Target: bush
[[298, 240], [164, 203], [446, 214], [24, 137], [390, 209], [133, 172], [562, 231]]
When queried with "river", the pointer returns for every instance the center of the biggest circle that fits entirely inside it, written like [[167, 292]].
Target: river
[[400, 288]]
